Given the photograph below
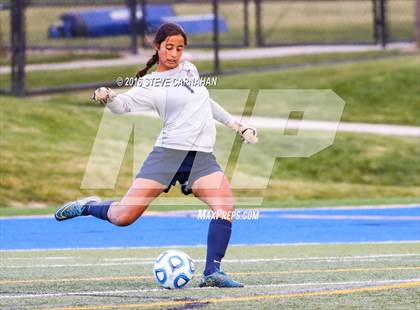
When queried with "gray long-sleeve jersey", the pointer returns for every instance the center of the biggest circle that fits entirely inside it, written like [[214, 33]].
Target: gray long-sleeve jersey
[[187, 111]]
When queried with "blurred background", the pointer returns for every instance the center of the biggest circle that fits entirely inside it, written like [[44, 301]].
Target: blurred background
[[54, 31], [54, 53]]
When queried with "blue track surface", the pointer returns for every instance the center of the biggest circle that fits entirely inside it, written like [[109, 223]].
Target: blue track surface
[[279, 226]]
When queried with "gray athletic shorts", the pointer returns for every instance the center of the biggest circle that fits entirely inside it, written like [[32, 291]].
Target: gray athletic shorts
[[167, 166]]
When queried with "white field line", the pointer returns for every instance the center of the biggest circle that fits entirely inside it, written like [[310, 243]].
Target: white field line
[[43, 258], [194, 213], [125, 259], [361, 207], [87, 293], [178, 213], [227, 261], [255, 260], [79, 265], [319, 258], [196, 246], [348, 217], [238, 261], [151, 259], [190, 213]]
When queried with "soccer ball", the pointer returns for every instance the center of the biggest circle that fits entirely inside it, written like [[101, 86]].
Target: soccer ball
[[173, 269]]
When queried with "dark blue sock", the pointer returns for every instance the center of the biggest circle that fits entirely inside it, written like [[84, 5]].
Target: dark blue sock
[[98, 209], [217, 242]]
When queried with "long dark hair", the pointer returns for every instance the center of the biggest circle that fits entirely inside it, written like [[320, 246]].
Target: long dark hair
[[165, 30]]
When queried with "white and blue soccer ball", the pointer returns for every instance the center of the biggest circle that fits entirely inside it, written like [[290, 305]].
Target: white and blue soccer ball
[[173, 269]]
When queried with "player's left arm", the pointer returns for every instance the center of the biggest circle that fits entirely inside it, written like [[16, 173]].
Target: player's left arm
[[248, 134]]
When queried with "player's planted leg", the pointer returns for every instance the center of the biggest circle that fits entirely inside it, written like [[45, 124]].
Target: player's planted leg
[[218, 279], [214, 190], [217, 242]]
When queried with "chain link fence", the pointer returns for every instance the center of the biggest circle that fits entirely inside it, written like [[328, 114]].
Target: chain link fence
[[43, 18], [61, 30], [304, 22], [46, 29], [401, 20], [317, 22]]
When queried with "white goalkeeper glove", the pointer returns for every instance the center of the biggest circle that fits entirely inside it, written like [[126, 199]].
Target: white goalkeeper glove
[[247, 133], [103, 95]]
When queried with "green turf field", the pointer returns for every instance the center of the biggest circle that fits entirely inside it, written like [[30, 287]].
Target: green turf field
[[345, 276], [46, 141]]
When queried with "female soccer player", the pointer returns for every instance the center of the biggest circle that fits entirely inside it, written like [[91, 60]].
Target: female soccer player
[[182, 152]]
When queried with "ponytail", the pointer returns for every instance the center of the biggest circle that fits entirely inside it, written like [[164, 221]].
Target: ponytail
[[165, 30], [150, 63]]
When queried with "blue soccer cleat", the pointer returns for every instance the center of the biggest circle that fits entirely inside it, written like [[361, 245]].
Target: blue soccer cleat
[[218, 279], [73, 208]]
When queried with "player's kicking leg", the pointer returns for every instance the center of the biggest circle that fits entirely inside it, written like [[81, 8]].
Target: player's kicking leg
[[219, 198], [74, 208], [121, 213]]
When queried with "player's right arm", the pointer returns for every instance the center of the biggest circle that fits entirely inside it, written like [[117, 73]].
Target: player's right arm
[[248, 134], [103, 95], [135, 99]]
